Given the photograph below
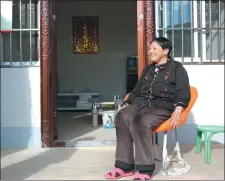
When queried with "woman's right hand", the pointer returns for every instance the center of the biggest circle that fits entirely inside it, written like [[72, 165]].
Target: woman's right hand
[[123, 106]]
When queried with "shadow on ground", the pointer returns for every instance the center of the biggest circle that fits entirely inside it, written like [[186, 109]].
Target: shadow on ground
[[6, 152], [28, 167], [72, 125]]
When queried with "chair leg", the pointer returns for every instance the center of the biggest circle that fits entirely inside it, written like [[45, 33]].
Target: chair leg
[[199, 142], [157, 157], [165, 161], [177, 147], [208, 147], [187, 167]]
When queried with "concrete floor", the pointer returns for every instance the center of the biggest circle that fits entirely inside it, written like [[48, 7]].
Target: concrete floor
[[75, 127], [92, 163]]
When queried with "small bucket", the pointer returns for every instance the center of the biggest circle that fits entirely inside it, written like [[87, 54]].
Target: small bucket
[[108, 118]]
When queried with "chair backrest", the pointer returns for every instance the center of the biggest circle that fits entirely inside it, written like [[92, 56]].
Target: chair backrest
[[194, 96], [166, 125]]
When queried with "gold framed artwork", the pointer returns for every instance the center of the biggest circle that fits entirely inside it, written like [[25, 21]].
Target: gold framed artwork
[[85, 34]]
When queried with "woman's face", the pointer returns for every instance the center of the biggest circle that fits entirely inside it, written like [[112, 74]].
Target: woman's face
[[157, 53]]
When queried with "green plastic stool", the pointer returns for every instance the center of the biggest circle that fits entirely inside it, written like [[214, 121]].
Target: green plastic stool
[[211, 130]]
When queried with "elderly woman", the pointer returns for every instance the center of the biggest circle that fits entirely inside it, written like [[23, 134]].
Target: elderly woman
[[163, 91]]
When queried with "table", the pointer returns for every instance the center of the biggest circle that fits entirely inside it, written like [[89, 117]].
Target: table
[[75, 100]]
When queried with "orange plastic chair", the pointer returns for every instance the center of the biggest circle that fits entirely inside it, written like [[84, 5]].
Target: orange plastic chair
[[165, 127]]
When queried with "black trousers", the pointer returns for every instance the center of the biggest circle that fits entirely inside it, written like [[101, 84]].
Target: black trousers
[[134, 125]]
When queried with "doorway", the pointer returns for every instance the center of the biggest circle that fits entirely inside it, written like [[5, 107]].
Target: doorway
[[50, 69]]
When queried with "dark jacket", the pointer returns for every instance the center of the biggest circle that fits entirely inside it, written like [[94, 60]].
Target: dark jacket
[[168, 88]]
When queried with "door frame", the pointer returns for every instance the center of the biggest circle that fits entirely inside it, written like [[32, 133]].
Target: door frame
[[48, 62]]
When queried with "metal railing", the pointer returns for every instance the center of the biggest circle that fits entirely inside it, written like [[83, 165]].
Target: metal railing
[[196, 29], [21, 45]]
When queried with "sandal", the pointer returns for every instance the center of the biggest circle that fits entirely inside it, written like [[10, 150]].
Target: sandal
[[117, 173], [139, 176]]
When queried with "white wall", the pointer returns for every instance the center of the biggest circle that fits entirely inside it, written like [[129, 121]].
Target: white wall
[[20, 107], [209, 80], [209, 107]]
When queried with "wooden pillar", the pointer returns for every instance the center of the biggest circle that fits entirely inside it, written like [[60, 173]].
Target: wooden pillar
[[149, 22], [145, 31], [140, 36], [46, 56]]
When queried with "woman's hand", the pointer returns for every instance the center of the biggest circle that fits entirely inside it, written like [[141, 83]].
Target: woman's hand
[[123, 106], [176, 117]]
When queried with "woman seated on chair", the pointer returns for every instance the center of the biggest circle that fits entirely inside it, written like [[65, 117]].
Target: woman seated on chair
[[163, 91]]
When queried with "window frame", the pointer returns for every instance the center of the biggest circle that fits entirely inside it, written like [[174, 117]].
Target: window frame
[[194, 59], [21, 63]]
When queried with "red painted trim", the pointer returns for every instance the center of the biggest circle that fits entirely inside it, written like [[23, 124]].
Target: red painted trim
[[5, 31]]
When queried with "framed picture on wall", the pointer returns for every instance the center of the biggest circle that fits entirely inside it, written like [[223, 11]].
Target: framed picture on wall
[[85, 34]]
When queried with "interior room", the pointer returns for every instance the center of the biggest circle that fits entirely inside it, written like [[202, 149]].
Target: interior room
[[96, 63]]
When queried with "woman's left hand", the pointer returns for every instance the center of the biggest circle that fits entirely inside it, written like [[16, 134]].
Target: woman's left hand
[[175, 119]]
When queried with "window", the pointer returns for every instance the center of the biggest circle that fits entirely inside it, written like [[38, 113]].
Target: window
[[196, 29], [20, 45]]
